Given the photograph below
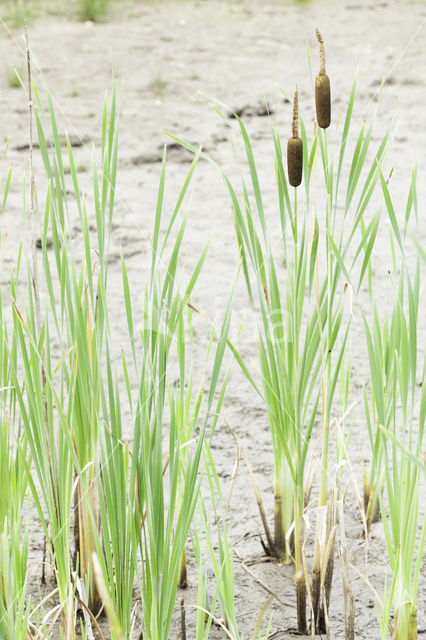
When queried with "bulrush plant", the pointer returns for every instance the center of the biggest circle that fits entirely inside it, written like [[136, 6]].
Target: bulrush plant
[[339, 245], [132, 501], [222, 559], [14, 461], [403, 436], [301, 318], [402, 483], [138, 516], [79, 314], [402, 473], [322, 570], [50, 446], [119, 454], [184, 412], [40, 406], [309, 365], [220, 552], [166, 512], [205, 607], [383, 340]]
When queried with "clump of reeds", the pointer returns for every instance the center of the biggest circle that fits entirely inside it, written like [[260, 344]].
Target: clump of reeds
[[301, 367], [379, 404], [14, 461], [93, 9], [135, 501], [401, 440], [120, 501]]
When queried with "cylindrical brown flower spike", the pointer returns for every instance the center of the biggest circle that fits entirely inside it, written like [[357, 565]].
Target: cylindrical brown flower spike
[[322, 90], [295, 148]]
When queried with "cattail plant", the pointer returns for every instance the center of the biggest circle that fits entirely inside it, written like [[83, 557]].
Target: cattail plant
[[302, 324], [403, 438], [322, 89], [184, 412], [205, 606], [14, 462], [49, 445], [221, 554], [165, 527], [81, 315], [338, 240], [383, 342], [14, 607], [222, 560], [380, 408], [403, 476], [295, 148], [120, 491], [46, 433], [64, 429], [148, 491], [61, 413]]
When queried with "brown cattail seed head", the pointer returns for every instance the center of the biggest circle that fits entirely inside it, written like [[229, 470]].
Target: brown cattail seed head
[[322, 90], [295, 148]]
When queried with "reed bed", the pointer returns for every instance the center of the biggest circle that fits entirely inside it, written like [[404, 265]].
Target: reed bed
[[113, 454], [114, 514], [303, 323]]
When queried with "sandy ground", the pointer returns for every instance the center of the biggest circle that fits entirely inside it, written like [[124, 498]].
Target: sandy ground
[[164, 58]]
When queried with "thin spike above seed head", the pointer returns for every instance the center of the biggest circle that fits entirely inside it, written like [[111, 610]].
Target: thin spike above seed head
[[322, 52], [322, 89], [295, 123], [295, 148]]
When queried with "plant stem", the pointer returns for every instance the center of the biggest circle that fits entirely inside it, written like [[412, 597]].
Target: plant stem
[[182, 579], [283, 509], [299, 535]]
